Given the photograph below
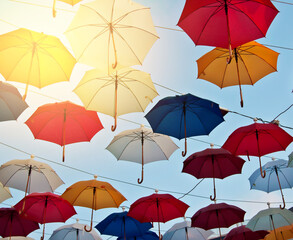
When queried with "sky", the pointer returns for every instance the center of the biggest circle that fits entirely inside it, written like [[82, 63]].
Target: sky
[[172, 64]]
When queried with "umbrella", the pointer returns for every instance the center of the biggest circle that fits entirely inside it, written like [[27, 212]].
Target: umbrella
[[226, 23], [278, 176], [17, 238], [141, 145], [283, 233], [74, 231], [93, 194], [217, 215], [121, 225], [184, 116], [11, 103], [290, 161], [244, 233], [64, 123], [249, 63], [213, 163], [270, 219], [13, 224], [122, 91], [71, 2], [157, 208], [4, 193], [45, 208], [257, 140], [105, 33], [183, 230], [146, 236], [29, 176], [34, 58]]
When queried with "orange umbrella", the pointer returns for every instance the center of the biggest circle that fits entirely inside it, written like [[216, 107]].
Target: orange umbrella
[[282, 233], [250, 62], [93, 194]]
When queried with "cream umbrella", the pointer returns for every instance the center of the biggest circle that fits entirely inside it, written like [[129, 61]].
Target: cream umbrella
[[4, 193], [123, 91], [141, 145], [106, 32]]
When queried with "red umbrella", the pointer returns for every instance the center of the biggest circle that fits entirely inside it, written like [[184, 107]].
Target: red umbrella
[[213, 163], [216, 216], [13, 224], [157, 208], [226, 23], [45, 208], [243, 233], [258, 139], [64, 123]]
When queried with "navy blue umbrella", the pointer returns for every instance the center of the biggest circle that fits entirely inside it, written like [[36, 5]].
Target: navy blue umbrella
[[184, 116], [147, 236], [121, 225]]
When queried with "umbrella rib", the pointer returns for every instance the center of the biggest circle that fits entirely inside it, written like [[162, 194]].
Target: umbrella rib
[[191, 110], [285, 179], [116, 21], [131, 141], [268, 188], [246, 70], [4, 184], [223, 78], [8, 105], [137, 28], [283, 148], [100, 15], [113, 198]]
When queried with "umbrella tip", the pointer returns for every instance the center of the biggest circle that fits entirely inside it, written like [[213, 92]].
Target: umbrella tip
[[273, 158], [95, 176], [141, 125], [156, 190], [269, 204], [77, 220], [123, 209], [32, 155], [212, 145], [255, 120], [276, 122]]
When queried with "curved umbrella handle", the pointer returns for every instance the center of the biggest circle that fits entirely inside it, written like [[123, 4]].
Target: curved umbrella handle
[[213, 198], [262, 173], [113, 127], [140, 180], [284, 204], [185, 150], [91, 227]]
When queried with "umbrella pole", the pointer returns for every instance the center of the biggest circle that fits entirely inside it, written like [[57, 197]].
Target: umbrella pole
[[26, 188], [184, 115], [124, 228], [186, 232], [63, 135], [115, 51], [77, 234], [93, 205], [274, 227], [284, 204], [262, 173], [218, 223], [30, 69], [142, 159], [238, 75], [229, 35], [113, 127], [54, 8], [44, 217], [158, 218]]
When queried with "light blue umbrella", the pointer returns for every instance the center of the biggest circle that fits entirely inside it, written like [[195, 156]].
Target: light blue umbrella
[[278, 176], [74, 232]]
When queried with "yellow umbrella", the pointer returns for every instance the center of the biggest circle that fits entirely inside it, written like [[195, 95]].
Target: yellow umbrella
[[250, 62], [71, 2], [106, 32], [34, 58], [124, 91], [93, 194], [282, 233]]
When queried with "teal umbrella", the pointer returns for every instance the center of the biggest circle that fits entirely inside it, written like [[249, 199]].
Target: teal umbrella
[[290, 162]]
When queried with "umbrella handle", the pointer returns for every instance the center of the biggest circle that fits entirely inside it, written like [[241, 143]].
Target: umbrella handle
[[262, 172], [142, 163], [113, 127], [93, 205], [284, 204], [213, 198], [185, 150], [91, 227]]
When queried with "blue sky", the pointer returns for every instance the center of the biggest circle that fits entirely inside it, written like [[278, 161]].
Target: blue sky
[[171, 63]]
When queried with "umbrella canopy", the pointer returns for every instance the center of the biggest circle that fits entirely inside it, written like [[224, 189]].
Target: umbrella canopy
[[121, 225], [64, 123], [184, 116], [278, 176], [105, 33], [13, 224], [74, 231], [17, 238], [244, 233], [281, 233], [4, 193], [226, 23], [146, 236], [93, 194], [183, 230], [213, 163], [45, 208], [71, 2], [29, 175], [141, 145], [157, 208], [270, 219], [258, 139], [122, 91], [290, 161], [11, 103], [249, 63], [34, 58], [217, 215]]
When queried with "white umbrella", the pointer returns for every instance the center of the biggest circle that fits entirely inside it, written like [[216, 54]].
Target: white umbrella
[[29, 175], [74, 231], [141, 145], [183, 230], [4, 193]]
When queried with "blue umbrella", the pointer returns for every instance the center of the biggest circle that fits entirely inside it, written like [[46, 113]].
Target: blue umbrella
[[278, 176], [184, 116], [121, 225], [147, 236]]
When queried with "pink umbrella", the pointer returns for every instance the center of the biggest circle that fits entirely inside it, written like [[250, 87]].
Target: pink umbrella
[[45, 208]]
